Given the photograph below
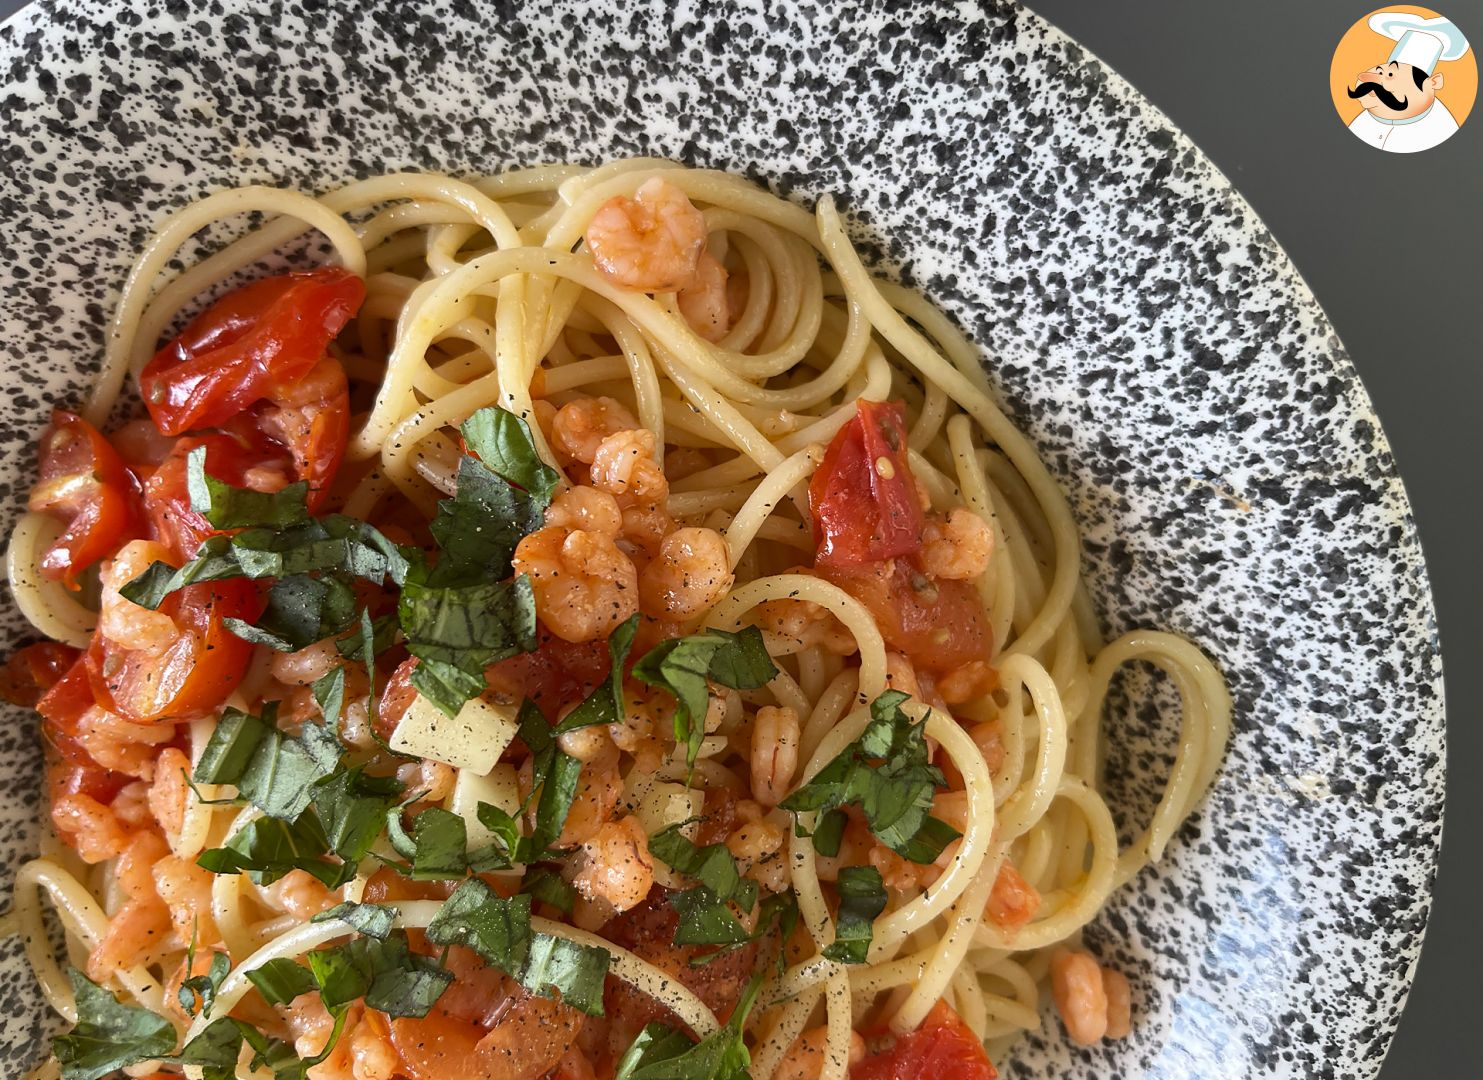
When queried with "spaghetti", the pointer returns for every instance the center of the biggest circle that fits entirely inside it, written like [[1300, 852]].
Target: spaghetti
[[655, 419]]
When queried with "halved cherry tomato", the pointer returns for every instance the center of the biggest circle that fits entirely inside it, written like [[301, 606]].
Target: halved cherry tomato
[[312, 419], [72, 778], [247, 346], [34, 670], [240, 456], [85, 484], [194, 674], [863, 496], [938, 625], [61, 709], [942, 1047], [557, 673]]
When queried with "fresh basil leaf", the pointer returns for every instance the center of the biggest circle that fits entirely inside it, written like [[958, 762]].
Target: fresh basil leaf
[[605, 704], [686, 666], [480, 526], [333, 543], [372, 920], [280, 778], [713, 865], [778, 910], [409, 991], [440, 845], [887, 773], [352, 807], [469, 627], [573, 972], [213, 561], [706, 920], [446, 685], [228, 507], [329, 695], [829, 832], [862, 897], [198, 993], [380, 633], [301, 610], [108, 1035], [655, 1055], [504, 444], [555, 777], [267, 848], [230, 748], [280, 980], [476, 917], [216, 1049], [547, 886]]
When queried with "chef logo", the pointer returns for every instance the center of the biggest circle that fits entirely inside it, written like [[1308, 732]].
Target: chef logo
[[1404, 79]]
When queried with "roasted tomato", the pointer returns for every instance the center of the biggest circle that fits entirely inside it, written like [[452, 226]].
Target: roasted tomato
[[248, 346], [863, 496], [938, 625], [34, 670], [942, 1047], [83, 483], [193, 673], [556, 674], [61, 708]]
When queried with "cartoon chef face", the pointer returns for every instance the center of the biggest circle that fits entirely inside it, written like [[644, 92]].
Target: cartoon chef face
[[1396, 90]]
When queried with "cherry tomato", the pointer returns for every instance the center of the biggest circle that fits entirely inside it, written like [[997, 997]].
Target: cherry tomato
[[241, 456], [556, 674], [31, 672], [248, 346], [312, 419], [396, 698], [85, 484], [191, 676], [942, 1047], [72, 778], [61, 708], [938, 625], [863, 496]]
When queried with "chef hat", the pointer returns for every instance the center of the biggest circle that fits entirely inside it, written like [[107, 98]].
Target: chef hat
[[1419, 42]]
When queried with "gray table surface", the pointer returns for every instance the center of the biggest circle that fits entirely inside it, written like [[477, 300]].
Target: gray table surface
[[1248, 82]]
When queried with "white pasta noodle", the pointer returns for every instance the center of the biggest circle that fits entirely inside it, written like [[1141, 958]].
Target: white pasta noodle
[[486, 291]]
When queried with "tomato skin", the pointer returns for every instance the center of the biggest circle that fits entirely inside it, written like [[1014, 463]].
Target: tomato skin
[[312, 419], [31, 672], [556, 674], [863, 496], [943, 1047], [246, 346], [72, 778], [193, 675], [84, 483], [938, 625], [61, 708]]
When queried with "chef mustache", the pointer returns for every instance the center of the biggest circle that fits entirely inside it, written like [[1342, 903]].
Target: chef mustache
[[1389, 100]]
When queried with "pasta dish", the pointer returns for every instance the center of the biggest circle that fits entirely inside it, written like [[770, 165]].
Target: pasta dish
[[569, 623]]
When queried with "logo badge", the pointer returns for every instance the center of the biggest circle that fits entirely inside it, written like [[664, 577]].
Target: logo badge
[[1403, 79]]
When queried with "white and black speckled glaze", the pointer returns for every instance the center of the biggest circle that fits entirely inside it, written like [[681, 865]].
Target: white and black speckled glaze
[[1220, 453]]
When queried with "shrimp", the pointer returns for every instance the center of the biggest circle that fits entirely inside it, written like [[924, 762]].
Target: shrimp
[[121, 745], [685, 461], [1013, 901], [302, 895], [704, 302], [579, 427], [757, 846], [957, 546], [1081, 998], [584, 744], [900, 675], [1119, 1004], [624, 464], [584, 585], [651, 242], [967, 682], [139, 933], [774, 753], [185, 889], [372, 1056], [690, 575], [124, 622], [88, 827], [896, 872], [616, 865], [170, 793], [646, 526], [305, 666], [431, 781], [134, 870], [990, 744], [805, 1058], [311, 1026], [586, 508], [598, 789], [802, 624]]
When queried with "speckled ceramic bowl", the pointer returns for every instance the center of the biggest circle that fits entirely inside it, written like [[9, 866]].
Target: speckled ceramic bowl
[[1226, 466]]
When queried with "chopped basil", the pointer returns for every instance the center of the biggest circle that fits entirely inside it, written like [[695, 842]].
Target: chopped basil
[[658, 1055], [372, 920], [329, 695], [464, 628], [686, 666], [559, 967], [266, 849], [705, 911], [437, 846], [605, 704], [299, 611], [546, 885], [281, 979], [862, 897], [109, 1035], [554, 778], [198, 993], [503, 442], [228, 507], [478, 528], [887, 774]]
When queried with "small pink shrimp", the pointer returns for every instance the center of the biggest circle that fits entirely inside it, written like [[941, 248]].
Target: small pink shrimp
[[651, 242], [704, 303], [580, 426], [616, 865]]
